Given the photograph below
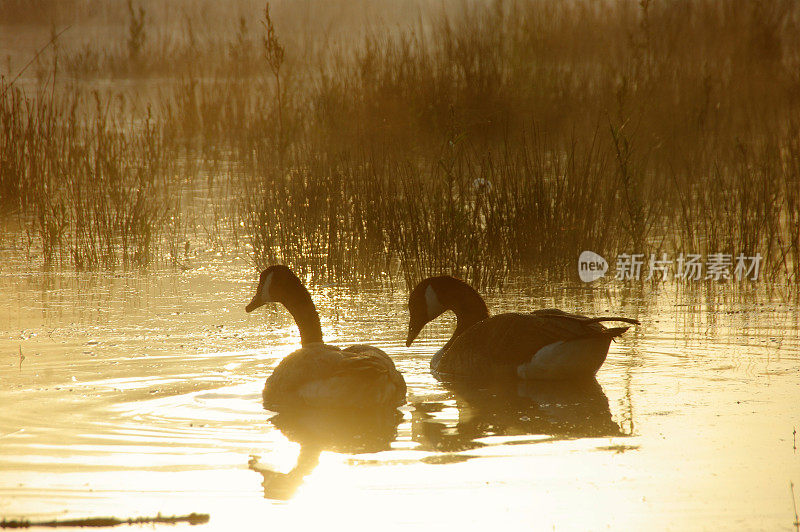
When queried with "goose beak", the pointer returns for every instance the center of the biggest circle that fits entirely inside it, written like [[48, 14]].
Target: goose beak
[[254, 304], [412, 334]]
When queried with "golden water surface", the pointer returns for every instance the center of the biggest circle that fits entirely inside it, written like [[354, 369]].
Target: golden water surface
[[133, 394]]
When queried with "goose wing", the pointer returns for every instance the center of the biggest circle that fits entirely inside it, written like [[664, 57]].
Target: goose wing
[[307, 364], [381, 382], [370, 351], [324, 376], [501, 343]]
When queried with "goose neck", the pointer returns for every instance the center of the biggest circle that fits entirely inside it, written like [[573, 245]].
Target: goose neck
[[469, 311], [306, 317]]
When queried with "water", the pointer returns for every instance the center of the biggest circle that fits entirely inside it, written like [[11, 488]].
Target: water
[[139, 393]]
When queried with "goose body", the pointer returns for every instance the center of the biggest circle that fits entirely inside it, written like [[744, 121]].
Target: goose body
[[319, 375], [548, 344]]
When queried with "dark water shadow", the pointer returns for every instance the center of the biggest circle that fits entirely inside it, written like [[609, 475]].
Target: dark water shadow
[[548, 410], [351, 432]]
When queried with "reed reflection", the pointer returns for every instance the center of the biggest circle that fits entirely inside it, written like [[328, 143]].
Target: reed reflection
[[352, 432], [551, 409]]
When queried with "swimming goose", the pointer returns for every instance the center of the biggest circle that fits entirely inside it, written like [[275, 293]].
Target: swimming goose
[[547, 344], [319, 375]]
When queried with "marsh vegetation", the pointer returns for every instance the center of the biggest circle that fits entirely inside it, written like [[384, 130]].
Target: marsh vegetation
[[367, 140], [154, 153]]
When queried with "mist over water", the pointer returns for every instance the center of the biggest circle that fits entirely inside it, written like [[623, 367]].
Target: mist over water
[[155, 156]]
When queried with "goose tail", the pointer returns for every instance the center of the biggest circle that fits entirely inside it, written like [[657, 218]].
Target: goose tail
[[612, 318], [615, 331]]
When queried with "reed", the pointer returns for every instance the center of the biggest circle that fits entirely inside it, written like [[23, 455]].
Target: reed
[[449, 110], [482, 139], [93, 189]]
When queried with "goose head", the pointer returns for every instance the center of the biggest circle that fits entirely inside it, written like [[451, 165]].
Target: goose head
[[435, 295], [425, 304], [277, 284]]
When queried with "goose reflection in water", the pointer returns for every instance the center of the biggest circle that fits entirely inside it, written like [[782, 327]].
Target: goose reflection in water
[[509, 409], [326, 430]]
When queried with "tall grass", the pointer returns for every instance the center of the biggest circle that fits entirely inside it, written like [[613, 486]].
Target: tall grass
[[479, 215], [485, 140], [92, 189], [515, 135]]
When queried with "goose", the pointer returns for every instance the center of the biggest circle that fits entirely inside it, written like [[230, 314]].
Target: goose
[[547, 344], [319, 375]]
